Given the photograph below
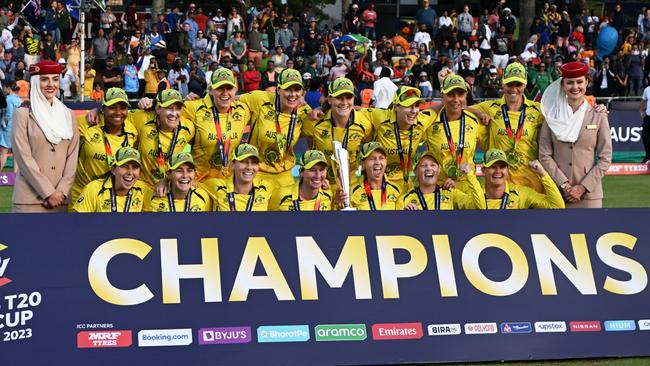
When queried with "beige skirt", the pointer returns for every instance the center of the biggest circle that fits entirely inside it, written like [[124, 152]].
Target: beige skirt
[[37, 208]]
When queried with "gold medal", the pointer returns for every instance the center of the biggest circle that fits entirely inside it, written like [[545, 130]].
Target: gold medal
[[452, 171]]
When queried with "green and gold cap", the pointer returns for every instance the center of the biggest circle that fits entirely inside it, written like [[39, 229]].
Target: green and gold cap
[[366, 149], [221, 77], [168, 97], [407, 96], [452, 82], [114, 96], [289, 77], [515, 72], [340, 86], [126, 154], [179, 159], [244, 151], [311, 158], [420, 156], [492, 156]]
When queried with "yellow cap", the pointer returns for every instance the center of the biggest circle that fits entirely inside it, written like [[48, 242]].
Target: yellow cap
[[311, 158], [492, 156], [452, 82], [221, 77], [427, 153], [179, 159], [114, 96], [367, 148], [125, 154], [407, 96], [340, 86], [168, 97], [289, 77], [245, 151], [515, 72]]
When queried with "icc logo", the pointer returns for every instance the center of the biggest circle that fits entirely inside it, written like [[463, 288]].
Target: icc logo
[[4, 262]]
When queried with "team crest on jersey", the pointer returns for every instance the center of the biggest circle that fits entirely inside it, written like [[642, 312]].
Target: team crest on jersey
[[444, 198], [355, 136], [161, 206], [152, 134], [389, 134], [195, 208], [392, 197], [469, 128], [96, 138], [271, 156], [324, 133], [136, 202], [530, 118], [269, 115], [106, 204], [207, 115], [498, 115], [392, 168], [435, 128], [363, 197], [259, 199], [182, 141], [237, 116]]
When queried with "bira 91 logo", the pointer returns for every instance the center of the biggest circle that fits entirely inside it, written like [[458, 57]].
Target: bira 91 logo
[[104, 339], [585, 326], [443, 329], [4, 262], [391, 331], [481, 328]]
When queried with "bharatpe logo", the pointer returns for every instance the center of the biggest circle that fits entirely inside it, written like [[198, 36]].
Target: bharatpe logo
[[443, 329], [4, 262], [644, 324], [619, 325], [392, 331], [104, 339], [585, 326], [164, 337], [340, 332], [550, 327], [516, 327], [283, 333], [225, 335], [481, 328]]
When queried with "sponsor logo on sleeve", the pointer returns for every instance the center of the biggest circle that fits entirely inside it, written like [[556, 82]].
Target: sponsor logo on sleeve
[[644, 324], [516, 327], [619, 325], [481, 328], [391, 331], [340, 332], [443, 329], [164, 337], [227, 335], [104, 339], [585, 326], [550, 327], [283, 333]]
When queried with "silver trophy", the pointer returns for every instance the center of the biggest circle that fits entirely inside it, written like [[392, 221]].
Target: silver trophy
[[342, 160]]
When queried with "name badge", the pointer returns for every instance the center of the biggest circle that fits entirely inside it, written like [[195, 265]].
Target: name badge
[[592, 127]]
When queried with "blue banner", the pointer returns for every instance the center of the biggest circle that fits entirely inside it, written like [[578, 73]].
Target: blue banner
[[323, 288]]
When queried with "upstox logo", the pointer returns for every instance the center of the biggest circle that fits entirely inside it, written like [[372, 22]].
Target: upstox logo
[[164, 337], [283, 333], [340, 332], [4, 262], [619, 325], [550, 327]]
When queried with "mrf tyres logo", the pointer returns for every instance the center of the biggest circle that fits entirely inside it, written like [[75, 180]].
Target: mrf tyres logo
[[4, 262], [102, 339]]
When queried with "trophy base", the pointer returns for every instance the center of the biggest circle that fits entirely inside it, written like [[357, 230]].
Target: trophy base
[[348, 209]]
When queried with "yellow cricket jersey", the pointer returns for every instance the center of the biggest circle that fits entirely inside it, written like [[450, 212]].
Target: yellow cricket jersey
[[199, 201], [205, 149], [384, 124], [359, 198], [359, 130], [222, 192], [527, 148], [97, 196], [288, 199], [521, 197], [438, 144], [149, 137], [445, 199], [275, 156], [93, 162]]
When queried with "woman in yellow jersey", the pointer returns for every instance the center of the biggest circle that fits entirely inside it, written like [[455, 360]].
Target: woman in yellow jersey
[[308, 193], [400, 129], [219, 121], [500, 194], [453, 136], [276, 124], [373, 191], [514, 127], [119, 191], [181, 195], [162, 134], [98, 141], [428, 195], [242, 191], [341, 123]]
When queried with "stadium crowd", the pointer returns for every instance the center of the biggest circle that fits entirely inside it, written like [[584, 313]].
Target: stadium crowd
[[225, 97]]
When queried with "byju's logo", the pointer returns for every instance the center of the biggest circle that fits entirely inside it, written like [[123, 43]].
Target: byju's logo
[[225, 335], [283, 333], [620, 326], [103, 339], [550, 327], [340, 332], [518, 327], [4, 262], [443, 329]]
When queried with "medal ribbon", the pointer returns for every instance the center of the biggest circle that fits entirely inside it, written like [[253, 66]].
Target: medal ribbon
[[504, 202], [371, 201], [161, 157], [349, 123], [224, 147], [249, 205], [172, 206], [296, 204], [400, 150], [423, 202], [278, 129], [127, 205], [450, 138], [520, 125], [107, 144]]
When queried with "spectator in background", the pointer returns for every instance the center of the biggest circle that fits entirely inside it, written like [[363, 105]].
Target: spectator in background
[[645, 115], [635, 71], [422, 37], [13, 102], [269, 77], [283, 36], [465, 24], [427, 15], [199, 46], [369, 20], [255, 47], [178, 77], [131, 81], [353, 20], [33, 47], [68, 81], [500, 49], [252, 77], [238, 48], [112, 76], [99, 51], [184, 42], [383, 89], [64, 22]]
